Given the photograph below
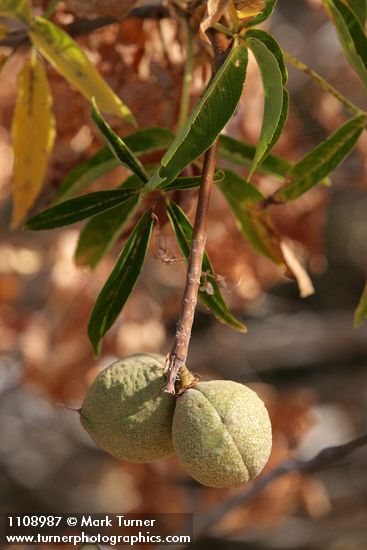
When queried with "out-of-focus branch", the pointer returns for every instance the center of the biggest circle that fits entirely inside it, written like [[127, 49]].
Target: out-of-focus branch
[[85, 26], [322, 460]]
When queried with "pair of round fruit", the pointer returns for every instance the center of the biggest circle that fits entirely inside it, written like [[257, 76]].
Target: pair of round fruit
[[219, 429]]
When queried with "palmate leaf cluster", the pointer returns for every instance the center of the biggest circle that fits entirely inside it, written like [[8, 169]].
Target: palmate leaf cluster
[[111, 212]]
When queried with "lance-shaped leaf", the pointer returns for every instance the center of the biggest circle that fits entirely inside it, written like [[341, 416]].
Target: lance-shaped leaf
[[269, 58], [267, 11], [256, 225], [361, 312], [33, 133], [351, 35], [102, 231], [71, 61], [322, 160], [190, 182], [244, 154], [141, 142], [119, 148], [121, 281], [360, 9], [80, 208], [212, 300], [19, 9], [207, 120]]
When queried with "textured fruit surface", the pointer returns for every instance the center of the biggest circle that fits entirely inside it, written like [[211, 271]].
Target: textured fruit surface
[[126, 412], [222, 433]]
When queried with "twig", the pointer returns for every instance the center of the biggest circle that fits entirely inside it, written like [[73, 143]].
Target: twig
[[178, 355], [325, 85], [84, 26], [323, 459]]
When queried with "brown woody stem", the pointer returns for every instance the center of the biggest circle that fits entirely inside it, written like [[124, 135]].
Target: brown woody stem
[[177, 358]]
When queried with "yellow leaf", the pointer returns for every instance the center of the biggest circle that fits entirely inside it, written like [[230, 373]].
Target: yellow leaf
[[71, 61], [33, 133], [20, 9], [248, 8]]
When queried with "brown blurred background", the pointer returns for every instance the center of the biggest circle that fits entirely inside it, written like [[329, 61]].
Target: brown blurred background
[[302, 356]]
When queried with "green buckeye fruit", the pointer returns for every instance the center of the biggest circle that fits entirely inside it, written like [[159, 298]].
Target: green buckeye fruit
[[126, 411], [222, 433]]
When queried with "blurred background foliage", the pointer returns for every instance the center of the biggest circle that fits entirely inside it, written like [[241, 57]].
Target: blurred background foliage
[[302, 356]]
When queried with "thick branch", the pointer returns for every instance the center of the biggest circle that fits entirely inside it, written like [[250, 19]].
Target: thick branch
[[322, 460], [178, 355]]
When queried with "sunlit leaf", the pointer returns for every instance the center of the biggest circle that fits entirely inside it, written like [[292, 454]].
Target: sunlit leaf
[[213, 300], [322, 160], [71, 61], [351, 35], [270, 60], [19, 9], [249, 8], [33, 133], [361, 312], [121, 282], [80, 208], [207, 120], [140, 142], [118, 146]]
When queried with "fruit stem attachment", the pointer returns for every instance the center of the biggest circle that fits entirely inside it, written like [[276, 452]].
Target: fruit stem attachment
[[177, 358]]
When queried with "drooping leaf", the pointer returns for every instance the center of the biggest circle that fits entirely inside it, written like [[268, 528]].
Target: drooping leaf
[[102, 231], [322, 160], [121, 151], [351, 35], [274, 75], [265, 14], [71, 61], [360, 9], [80, 208], [213, 300], [361, 312], [19, 9], [140, 142], [207, 120], [244, 154], [256, 225], [121, 281], [33, 133]]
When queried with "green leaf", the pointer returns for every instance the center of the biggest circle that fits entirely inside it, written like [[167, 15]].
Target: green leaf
[[273, 73], [242, 198], [190, 182], [361, 312], [213, 300], [322, 160], [265, 14], [74, 210], [102, 231], [140, 142], [118, 147], [351, 35], [244, 154], [207, 120], [359, 7], [19, 9], [121, 281], [73, 64]]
